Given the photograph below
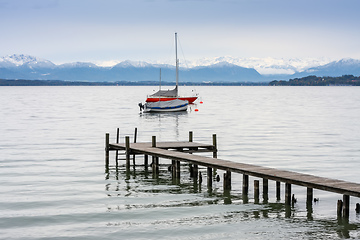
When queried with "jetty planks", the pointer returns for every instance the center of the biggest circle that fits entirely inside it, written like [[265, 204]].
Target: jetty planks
[[179, 151]]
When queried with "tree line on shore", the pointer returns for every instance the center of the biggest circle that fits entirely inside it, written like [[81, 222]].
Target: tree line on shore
[[345, 80]]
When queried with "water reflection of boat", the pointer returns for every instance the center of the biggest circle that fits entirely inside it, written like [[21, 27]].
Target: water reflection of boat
[[167, 95]]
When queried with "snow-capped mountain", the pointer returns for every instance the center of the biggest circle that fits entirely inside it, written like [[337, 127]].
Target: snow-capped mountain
[[346, 66], [78, 65], [220, 69], [266, 66], [17, 60]]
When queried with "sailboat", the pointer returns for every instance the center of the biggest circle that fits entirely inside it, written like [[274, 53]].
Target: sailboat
[[173, 105], [167, 95]]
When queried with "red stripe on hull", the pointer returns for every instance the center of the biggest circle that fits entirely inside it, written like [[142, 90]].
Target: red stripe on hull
[[156, 99]]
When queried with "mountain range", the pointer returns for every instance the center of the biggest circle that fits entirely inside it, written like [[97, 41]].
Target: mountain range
[[219, 70]]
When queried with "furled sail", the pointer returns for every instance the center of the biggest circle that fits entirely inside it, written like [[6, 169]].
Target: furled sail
[[166, 93]]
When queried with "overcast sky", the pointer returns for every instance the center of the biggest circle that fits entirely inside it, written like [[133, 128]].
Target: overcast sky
[[102, 30]]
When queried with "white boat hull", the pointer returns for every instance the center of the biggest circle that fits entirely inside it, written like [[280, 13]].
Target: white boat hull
[[176, 105]]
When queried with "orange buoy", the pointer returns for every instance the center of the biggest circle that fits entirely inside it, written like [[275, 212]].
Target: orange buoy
[[196, 110], [201, 102]]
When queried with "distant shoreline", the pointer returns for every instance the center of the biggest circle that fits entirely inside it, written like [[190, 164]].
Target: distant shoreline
[[345, 80], [21, 82]]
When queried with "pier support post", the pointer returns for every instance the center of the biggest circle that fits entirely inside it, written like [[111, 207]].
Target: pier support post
[[245, 185], [127, 149], [117, 141], [309, 195], [155, 160], [195, 168], [107, 150], [135, 136], [278, 190], [346, 206], [265, 189], [256, 191], [339, 208], [178, 169], [287, 193], [195, 172], [209, 177], [146, 161], [173, 168], [215, 146], [227, 181]]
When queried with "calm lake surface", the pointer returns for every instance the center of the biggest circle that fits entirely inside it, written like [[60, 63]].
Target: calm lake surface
[[54, 184]]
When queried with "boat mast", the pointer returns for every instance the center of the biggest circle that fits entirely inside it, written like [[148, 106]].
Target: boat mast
[[177, 65], [160, 85]]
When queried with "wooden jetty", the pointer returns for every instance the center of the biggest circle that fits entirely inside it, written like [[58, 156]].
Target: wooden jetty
[[183, 152]]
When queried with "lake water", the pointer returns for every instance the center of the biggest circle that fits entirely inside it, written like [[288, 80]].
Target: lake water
[[54, 184]]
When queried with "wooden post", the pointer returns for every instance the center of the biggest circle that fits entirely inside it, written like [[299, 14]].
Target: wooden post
[[127, 147], [146, 161], [287, 193], [245, 186], [195, 172], [193, 167], [209, 177], [265, 189], [117, 141], [153, 141], [209, 170], [177, 169], [256, 191], [339, 208], [346, 206], [215, 146], [173, 168], [107, 150], [227, 181], [135, 135], [309, 195], [155, 160], [278, 190]]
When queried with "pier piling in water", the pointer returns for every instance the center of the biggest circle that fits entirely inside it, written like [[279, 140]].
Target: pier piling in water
[[278, 190], [339, 208], [256, 191], [155, 159], [287, 193], [117, 141], [227, 181], [265, 189], [245, 186], [107, 150], [346, 206], [309, 195], [135, 137], [215, 146], [127, 149], [209, 177]]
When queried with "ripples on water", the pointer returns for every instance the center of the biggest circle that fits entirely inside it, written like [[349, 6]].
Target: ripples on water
[[54, 183]]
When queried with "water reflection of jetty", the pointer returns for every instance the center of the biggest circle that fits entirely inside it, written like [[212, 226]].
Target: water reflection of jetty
[[183, 151]]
